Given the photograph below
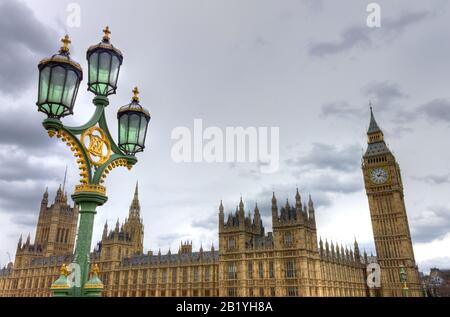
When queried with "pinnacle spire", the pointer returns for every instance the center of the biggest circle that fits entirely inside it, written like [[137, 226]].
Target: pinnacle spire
[[373, 126], [135, 206], [136, 191]]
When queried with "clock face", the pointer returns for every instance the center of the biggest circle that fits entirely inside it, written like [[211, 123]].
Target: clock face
[[379, 175]]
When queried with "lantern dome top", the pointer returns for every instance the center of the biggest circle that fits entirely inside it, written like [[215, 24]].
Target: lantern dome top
[[134, 105], [62, 57], [105, 45]]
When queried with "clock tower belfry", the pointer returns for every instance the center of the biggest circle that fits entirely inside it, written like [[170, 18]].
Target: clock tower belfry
[[390, 227]]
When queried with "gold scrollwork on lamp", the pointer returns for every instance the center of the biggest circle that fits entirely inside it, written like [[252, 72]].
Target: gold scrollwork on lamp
[[116, 163], [98, 145]]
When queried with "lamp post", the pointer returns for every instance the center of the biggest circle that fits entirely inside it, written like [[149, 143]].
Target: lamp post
[[95, 151], [403, 278]]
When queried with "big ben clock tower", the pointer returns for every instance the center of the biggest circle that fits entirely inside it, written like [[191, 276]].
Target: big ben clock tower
[[392, 238]]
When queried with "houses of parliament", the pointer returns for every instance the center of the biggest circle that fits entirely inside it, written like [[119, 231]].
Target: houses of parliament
[[289, 261]]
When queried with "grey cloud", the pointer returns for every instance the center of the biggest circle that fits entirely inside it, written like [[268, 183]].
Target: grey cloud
[[332, 184], [209, 223], [383, 93], [25, 40], [325, 156], [436, 110], [29, 221], [364, 37], [431, 224], [20, 166], [20, 199], [435, 179], [342, 109], [22, 127], [167, 239], [385, 96], [439, 262], [352, 37]]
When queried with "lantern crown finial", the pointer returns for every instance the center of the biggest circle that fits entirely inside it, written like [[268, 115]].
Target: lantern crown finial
[[135, 94], [107, 33], [65, 41]]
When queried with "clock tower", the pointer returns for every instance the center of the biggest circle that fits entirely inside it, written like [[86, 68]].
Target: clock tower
[[392, 238]]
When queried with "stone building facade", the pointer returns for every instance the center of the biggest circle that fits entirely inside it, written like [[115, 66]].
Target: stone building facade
[[289, 261]]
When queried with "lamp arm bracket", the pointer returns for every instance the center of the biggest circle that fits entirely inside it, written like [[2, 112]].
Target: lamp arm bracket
[[114, 161], [99, 112], [104, 125], [79, 152]]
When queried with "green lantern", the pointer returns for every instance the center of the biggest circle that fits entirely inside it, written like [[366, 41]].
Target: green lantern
[[133, 123], [59, 80], [104, 62]]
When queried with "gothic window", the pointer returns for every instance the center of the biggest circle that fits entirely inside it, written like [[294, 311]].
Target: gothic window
[[261, 270], [232, 292], [292, 291], [290, 268], [206, 274], [195, 274], [135, 277], [272, 291], [174, 275], [261, 291], [185, 275], [144, 277], [164, 276], [271, 270], [117, 278], [250, 270], [288, 239], [232, 272], [231, 243], [153, 277]]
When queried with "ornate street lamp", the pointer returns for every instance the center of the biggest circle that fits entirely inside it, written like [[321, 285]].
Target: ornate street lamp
[[133, 122], [104, 65], [94, 149], [59, 79]]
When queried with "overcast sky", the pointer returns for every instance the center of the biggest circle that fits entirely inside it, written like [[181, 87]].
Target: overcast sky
[[308, 67]]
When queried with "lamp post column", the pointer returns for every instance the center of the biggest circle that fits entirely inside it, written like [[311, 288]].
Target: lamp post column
[[88, 201]]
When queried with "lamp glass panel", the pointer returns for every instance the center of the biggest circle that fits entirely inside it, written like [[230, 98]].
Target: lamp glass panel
[[114, 71], [103, 72], [93, 68], [133, 130], [123, 129], [143, 131], [69, 90], [56, 84], [43, 84]]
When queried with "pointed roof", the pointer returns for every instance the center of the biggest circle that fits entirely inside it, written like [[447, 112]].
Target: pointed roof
[[376, 144], [135, 206], [136, 191], [373, 125]]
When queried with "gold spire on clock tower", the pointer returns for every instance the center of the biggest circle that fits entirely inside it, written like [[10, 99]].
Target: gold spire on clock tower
[[392, 237]]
